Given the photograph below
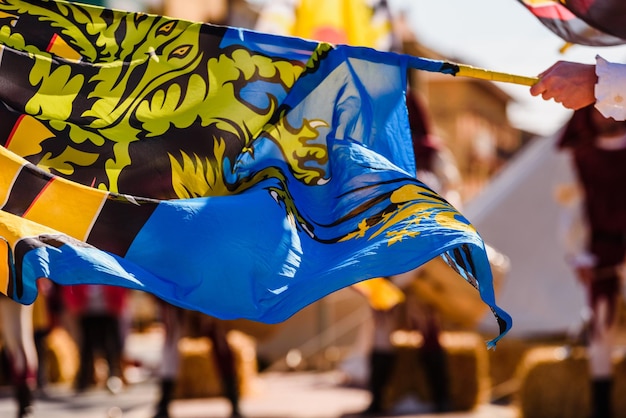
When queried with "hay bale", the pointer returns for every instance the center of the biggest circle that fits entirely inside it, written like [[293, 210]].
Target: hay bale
[[199, 378], [258, 330], [197, 375], [62, 356], [619, 385], [468, 369], [554, 383]]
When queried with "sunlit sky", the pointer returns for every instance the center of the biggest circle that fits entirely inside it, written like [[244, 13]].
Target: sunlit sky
[[499, 35]]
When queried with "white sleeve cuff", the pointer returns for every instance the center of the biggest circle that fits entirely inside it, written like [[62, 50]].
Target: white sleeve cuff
[[610, 90]]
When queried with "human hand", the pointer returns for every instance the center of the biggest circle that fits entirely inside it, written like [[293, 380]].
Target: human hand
[[569, 83]]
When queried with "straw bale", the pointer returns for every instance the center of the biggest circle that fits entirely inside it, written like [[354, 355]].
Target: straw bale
[[62, 356], [468, 369], [258, 330], [619, 385], [198, 376], [554, 383]]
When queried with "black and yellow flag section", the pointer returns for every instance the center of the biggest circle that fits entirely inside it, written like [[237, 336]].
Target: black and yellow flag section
[[232, 172]]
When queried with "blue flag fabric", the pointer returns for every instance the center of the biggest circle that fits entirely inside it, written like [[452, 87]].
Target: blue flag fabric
[[236, 173]]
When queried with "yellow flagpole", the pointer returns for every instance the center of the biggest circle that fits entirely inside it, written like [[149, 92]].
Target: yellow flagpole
[[464, 70], [469, 71]]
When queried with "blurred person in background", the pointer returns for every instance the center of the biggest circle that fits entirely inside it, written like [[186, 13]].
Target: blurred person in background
[[177, 321], [99, 311], [593, 231], [19, 348], [47, 309], [24, 332]]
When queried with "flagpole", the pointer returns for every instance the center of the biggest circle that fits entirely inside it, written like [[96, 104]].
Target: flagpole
[[483, 74], [463, 70]]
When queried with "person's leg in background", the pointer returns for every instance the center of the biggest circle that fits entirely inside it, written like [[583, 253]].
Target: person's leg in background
[[89, 333], [382, 360], [113, 347], [435, 360], [40, 338], [424, 318], [225, 362], [17, 326], [172, 323], [603, 299]]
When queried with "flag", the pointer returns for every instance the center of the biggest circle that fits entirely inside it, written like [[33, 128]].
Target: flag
[[584, 22], [236, 173]]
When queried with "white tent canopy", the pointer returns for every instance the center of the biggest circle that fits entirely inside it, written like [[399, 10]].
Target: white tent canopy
[[518, 215]]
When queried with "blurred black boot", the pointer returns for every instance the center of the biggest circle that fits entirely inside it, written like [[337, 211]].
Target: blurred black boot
[[231, 388], [167, 393], [436, 368], [381, 368], [601, 396], [24, 396], [224, 359]]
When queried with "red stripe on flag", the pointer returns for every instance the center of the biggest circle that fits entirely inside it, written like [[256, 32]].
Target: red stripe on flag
[[41, 192], [17, 124], [51, 44], [551, 11]]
